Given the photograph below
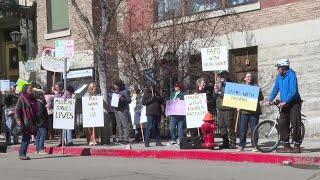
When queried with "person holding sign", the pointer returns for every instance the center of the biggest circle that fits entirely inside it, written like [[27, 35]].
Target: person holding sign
[[137, 98], [69, 94], [248, 117], [26, 114], [152, 100], [93, 90], [177, 122], [122, 111], [225, 114]]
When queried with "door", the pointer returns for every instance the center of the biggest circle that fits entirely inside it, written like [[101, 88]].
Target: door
[[242, 61], [13, 55]]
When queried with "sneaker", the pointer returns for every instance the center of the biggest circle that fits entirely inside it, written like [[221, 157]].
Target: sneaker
[[159, 144], [178, 142], [296, 148], [23, 158], [240, 149], [42, 152], [255, 150], [286, 149], [147, 145], [171, 143], [70, 144]]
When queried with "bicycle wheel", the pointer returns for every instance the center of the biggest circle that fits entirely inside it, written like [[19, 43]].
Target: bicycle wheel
[[266, 136], [303, 131]]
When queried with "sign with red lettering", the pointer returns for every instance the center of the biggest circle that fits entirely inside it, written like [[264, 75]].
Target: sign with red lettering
[[214, 59]]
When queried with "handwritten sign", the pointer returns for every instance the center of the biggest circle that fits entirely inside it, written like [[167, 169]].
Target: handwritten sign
[[115, 100], [196, 108], [64, 48], [241, 96], [214, 59], [175, 107], [92, 108], [5, 85], [63, 113]]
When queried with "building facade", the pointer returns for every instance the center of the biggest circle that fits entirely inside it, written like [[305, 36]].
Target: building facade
[[259, 33]]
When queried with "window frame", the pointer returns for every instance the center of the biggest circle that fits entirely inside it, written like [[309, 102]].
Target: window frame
[[49, 19], [228, 5]]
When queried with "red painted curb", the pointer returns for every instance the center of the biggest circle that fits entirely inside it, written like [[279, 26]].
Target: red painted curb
[[183, 154]]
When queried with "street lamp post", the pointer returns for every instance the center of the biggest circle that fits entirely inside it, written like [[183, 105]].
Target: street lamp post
[[16, 37]]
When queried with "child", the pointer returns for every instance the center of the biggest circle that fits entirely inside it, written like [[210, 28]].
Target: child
[[41, 122]]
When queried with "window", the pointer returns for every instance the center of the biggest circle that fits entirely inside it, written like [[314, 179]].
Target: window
[[205, 5], [168, 9], [57, 15], [239, 2]]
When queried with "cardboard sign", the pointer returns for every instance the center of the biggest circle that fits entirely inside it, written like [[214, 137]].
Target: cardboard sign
[[92, 108], [5, 85], [196, 108], [175, 107], [241, 96], [64, 48], [149, 76], [115, 100], [63, 113], [214, 59]]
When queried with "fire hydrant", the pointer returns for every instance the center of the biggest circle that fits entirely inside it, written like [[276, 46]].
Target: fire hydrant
[[208, 129]]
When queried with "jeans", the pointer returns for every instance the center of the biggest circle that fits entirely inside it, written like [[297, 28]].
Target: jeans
[[69, 136], [252, 120], [24, 144], [41, 136], [153, 122], [174, 122]]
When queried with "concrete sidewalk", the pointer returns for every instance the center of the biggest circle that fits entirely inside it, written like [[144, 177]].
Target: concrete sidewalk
[[310, 153]]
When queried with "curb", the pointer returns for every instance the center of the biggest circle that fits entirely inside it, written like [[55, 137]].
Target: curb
[[183, 155]]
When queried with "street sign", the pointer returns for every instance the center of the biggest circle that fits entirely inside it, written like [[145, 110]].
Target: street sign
[[79, 73], [30, 66], [149, 76]]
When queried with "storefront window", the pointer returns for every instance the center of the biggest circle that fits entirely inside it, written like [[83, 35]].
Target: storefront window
[[168, 9]]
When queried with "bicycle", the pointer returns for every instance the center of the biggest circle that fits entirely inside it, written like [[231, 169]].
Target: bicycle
[[266, 136]]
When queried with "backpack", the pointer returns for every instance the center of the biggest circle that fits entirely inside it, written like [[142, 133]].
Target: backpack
[[191, 143]]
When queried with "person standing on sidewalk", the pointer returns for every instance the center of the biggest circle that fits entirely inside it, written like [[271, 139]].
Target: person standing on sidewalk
[[111, 115], [41, 122], [177, 122], [122, 111], [69, 94], [137, 99], [93, 90], [287, 84], [26, 115], [225, 114], [152, 100], [249, 117]]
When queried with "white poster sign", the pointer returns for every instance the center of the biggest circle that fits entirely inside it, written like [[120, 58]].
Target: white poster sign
[[64, 48], [115, 100], [79, 73], [63, 113], [196, 108], [214, 59], [5, 85], [143, 117], [92, 108], [53, 64]]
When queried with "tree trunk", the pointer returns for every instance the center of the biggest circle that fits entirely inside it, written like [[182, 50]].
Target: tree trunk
[[102, 71]]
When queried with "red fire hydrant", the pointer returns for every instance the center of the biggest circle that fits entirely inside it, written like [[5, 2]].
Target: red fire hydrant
[[208, 129]]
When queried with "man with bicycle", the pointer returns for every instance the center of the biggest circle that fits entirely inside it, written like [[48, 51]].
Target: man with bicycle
[[287, 84]]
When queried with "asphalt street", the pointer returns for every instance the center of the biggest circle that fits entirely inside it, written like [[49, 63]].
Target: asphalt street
[[50, 167]]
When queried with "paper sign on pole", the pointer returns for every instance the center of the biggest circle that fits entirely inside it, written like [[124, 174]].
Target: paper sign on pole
[[115, 100], [64, 48], [175, 107], [214, 59], [196, 108], [92, 108], [63, 113], [5, 85], [241, 96]]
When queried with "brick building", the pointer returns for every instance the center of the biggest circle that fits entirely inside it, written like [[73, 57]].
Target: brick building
[[262, 31]]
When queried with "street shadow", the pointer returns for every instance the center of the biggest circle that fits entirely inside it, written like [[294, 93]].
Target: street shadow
[[305, 150], [52, 157], [306, 166]]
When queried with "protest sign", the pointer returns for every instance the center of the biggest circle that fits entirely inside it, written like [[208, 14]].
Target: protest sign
[[5, 85], [175, 107], [214, 59], [64, 48], [143, 117], [149, 76], [115, 100], [63, 113], [196, 108], [92, 108], [241, 96]]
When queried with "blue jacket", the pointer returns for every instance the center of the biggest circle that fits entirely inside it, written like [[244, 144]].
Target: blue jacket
[[288, 87]]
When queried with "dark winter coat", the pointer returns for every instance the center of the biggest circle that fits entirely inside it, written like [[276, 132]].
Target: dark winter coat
[[42, 120], [124, 100], [152, 103], [26, 112]]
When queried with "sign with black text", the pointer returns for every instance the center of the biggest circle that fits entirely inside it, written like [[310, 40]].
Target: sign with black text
[[63, 113], [92, 108]]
